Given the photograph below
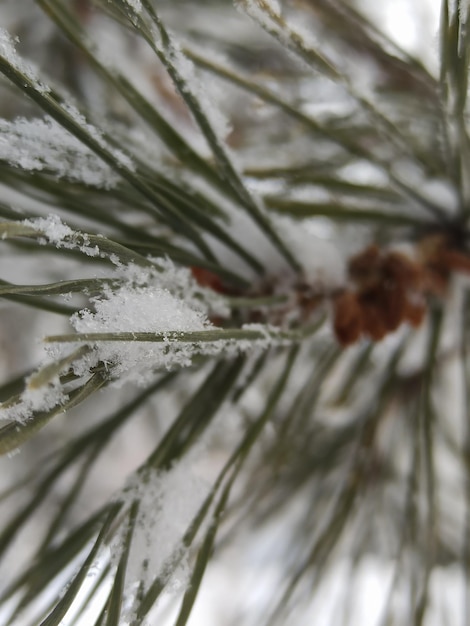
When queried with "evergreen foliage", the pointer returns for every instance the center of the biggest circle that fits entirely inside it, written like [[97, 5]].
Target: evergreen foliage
[[234, 275]]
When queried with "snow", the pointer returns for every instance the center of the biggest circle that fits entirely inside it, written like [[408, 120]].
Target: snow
[[322, 260], [261, 11], [267, 13], [62, 236], [193, 86], [8, 51], [168, 502], [42, 144], [52, 227], [152, 309], [165, 299], [157, 299], [34, 400], [179, 281], [123, 159], [160, 298], [140, 309], [135, 5]]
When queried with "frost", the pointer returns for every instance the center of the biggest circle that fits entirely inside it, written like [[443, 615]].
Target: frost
[[42, 144]]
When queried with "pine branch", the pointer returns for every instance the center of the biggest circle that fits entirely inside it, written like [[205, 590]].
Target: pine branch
[[242, 242]]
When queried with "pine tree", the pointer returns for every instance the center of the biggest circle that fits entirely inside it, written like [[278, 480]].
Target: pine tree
[[234, 280]]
